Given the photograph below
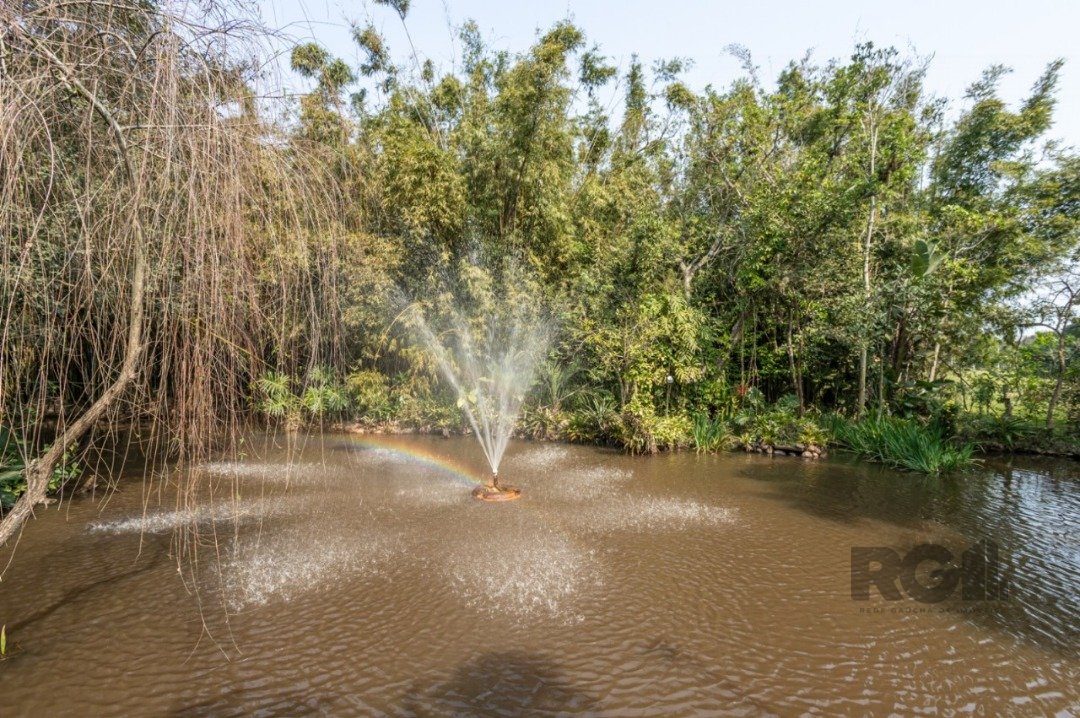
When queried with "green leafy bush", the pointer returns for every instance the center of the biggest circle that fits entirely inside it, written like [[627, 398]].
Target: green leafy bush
[[370, 393], [428, 411], [323, 395], [544, 422], [275, 397], [594, 418], [320, 397], [13, 469], [640, 431], [778, 425], [1007, 432]]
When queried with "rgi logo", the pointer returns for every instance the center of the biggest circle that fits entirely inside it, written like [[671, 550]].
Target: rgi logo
[[928, 573]]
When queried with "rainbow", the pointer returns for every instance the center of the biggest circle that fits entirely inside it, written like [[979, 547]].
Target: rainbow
[[414, 452]]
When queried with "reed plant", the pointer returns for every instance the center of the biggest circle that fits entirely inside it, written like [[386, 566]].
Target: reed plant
[[903, 443]]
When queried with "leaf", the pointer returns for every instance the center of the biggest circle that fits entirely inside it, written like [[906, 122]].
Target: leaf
[[3, 640], [925, 258]]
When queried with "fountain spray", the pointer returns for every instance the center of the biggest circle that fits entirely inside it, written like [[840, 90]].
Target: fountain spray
[[491, 363]]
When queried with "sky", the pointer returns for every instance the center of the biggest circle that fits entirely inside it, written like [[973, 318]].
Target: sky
[[962, 37]]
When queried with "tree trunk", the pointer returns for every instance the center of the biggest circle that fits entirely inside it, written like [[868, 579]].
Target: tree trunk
[[796, 378], [934, 363], [864, 350], [1056, 396], [881, 385], [861, 409]]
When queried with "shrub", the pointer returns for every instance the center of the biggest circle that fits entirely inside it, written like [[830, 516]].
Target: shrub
[[779, 425], [640, 431], [428, 411], [275, 397], [594, 419], [13, 469], [542, 423], [323, 396], [1005, 431], [370, 393], [320, 397]]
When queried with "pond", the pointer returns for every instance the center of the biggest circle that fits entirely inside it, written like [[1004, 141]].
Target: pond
[[345, 574]]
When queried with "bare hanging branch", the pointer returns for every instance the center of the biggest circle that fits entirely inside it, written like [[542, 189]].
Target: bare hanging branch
[[160, 240]]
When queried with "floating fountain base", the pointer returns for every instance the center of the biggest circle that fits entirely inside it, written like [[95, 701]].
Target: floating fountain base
[[490, 493]]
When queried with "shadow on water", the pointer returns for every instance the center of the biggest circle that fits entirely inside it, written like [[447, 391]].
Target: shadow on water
[[1029, 508], [846, 491], [78, 593], [500, 684]]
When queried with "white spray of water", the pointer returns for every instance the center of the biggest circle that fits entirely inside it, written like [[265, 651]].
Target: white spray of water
[[159, 522], [490, 368]]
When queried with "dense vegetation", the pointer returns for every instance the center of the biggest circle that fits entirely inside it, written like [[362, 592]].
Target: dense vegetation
[[745, 264]]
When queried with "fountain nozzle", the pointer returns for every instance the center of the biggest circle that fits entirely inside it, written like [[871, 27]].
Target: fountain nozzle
[[495, 492]]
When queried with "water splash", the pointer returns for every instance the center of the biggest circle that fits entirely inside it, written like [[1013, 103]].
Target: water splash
[[652, 514], [162, 521], [491, 362], [257, 570], [542, 573]]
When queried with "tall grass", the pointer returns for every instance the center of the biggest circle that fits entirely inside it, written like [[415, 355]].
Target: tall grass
[[711, 434], [903, 443]]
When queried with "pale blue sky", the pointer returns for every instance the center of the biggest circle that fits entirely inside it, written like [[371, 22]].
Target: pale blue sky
[[963, 36]]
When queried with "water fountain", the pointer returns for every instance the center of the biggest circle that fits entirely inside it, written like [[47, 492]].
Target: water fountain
[[490, 361]]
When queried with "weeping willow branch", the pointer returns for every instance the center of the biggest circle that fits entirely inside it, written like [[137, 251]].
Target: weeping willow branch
[[39, 471], [161, 243]]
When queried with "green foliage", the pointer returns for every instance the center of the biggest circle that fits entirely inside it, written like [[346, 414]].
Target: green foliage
[[924, 399], [401, 7], [370, 394], [737, 237], [555, 383], [904, 443], [812, 433], [1008, 432], [925, 258], [711, 434], [276, 398], [308, 59], [371, 42], [543, 422], [594, 419], [641, 431], [723, 261], [321, 396], [13, 469], [777, 425]]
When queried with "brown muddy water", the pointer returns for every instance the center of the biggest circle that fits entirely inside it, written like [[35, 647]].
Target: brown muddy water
[[349, 575]]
